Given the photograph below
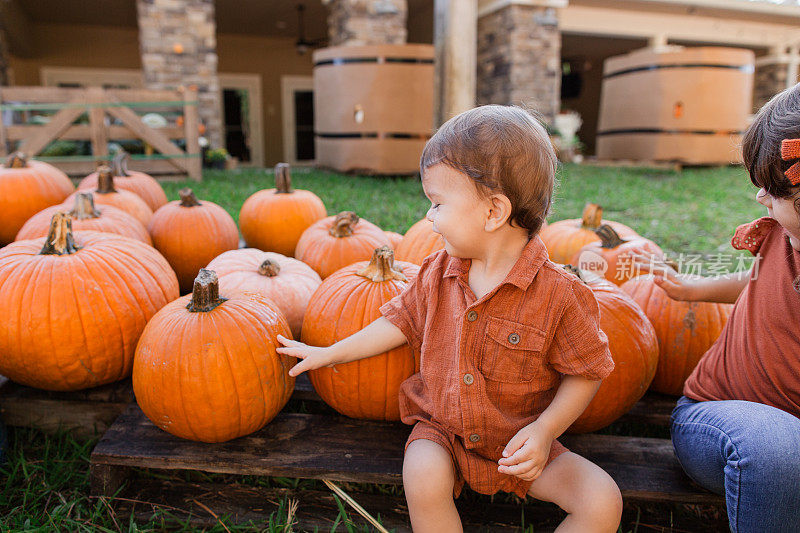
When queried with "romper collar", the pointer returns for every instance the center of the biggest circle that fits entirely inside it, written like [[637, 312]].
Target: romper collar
[[522, 273]]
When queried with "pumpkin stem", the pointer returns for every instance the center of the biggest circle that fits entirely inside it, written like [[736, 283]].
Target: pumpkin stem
[[120, 163], [269, 268], [17, 160], [205, 295], [188, 199], [84, 207], [283, 179], [344, 224], [608, 237], [105, 180], [381, 267], [60, 240], [592, 216]]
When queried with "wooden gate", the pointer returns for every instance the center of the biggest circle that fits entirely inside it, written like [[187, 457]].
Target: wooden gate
[[111, 117]]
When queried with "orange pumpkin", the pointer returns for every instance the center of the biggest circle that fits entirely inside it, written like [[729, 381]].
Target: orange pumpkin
[[74, 306], [394, 239], [634, 348], [139, 183], [107, 194], [274, 219], [206, 367], [286, 281], [27, 187], [685, 331], [419, 242], [335, 242], [346, 302], [87, 217], [565, 237], [610, 257], [191, 233]]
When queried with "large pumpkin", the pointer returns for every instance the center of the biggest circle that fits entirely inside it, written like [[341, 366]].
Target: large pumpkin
[[346, 302], [140, 183], [685, 331], [274, 219], [191, 233], [419, 242], [107, 194], [286, 281], [74, 306], [565, 237], [335, 242], [206, 367], [27, 187], [86, 217], [610, 257], [634, 347]]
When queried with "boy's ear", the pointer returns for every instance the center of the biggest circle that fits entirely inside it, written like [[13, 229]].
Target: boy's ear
[[499, 211]]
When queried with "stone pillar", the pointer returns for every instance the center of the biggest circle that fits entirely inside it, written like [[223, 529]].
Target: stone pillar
[[358, 22], [519, 55], [177, 39], [5, 70]]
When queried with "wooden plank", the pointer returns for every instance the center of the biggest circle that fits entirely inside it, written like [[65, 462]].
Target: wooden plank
[[97, 127], [150, 135], [654, 409], [343, 449], [82, 132], [191, 123], [37, 94], [304, 390], [57, 125]]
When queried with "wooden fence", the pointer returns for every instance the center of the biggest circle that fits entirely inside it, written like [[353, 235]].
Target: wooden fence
[[111, 118]]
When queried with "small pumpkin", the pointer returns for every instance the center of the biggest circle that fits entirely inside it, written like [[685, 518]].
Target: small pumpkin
[[335, 242], [75, 304], [107, 194], [685, 331], [565, 237], [286, 281], [206, 366], [346, 302], [634, 348], [190, 233], [419, 242], [27, 187], [87, 217], [274, 219], [610, 257], [139, 183]]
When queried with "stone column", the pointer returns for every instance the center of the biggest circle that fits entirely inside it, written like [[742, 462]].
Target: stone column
[[359, 22], [5, 70], [519, 55], [177, 39]]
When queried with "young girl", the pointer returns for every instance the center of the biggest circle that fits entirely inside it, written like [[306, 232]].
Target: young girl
[[510, 345], [736, 430]]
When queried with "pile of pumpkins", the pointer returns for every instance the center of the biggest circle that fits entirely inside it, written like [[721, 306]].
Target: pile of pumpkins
[[90, 285]]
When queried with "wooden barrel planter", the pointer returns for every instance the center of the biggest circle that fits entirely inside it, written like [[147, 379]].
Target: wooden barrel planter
[[676, 104], [373, 107]]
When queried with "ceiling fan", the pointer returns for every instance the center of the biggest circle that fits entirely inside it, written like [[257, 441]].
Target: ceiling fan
[[303, 45]]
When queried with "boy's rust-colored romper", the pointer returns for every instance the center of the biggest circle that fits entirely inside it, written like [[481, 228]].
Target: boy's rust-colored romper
[[490, 366]]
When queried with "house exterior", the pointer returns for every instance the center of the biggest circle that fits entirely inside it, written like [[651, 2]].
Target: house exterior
[[251, 60]]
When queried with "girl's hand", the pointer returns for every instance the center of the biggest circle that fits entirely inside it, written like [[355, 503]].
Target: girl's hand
[[525, 455], [312, 356], [665, 276]]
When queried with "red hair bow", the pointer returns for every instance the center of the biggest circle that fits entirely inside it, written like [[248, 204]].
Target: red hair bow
[[790, 149]]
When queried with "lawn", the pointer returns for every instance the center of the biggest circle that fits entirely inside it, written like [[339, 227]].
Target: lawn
[[45, 485]]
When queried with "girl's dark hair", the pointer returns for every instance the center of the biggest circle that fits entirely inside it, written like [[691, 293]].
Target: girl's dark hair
[[779, 119]]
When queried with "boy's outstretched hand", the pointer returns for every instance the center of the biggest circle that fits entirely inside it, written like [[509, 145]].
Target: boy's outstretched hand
[[525, 455], [312, 356]]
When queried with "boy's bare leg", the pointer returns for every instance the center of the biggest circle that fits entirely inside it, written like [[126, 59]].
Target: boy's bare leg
[[428, 479], [582, 489]]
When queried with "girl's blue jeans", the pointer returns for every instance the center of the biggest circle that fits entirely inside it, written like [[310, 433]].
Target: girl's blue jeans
[[749, 453]]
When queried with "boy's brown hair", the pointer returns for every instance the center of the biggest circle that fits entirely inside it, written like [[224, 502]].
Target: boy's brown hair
[[779, 119], [502, 149]]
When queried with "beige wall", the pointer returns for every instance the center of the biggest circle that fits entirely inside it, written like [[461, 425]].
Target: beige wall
[[97, 47]]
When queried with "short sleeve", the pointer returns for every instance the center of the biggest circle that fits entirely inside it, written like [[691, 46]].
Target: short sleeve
[[751, 236], [407, 310], [579, 346]]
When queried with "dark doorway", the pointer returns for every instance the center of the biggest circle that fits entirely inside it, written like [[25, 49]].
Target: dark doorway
[[236, 107], [304, 125]]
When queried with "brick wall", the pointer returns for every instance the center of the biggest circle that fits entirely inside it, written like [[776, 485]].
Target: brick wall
[[358, 22]]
